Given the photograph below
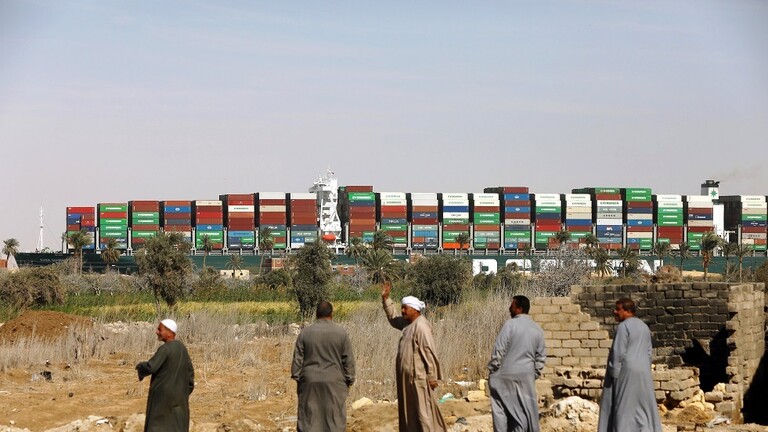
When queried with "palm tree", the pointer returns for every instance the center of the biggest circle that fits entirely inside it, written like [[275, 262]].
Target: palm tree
[[381, 240], [379, 265], [602, 261], [683, 252], [661, 250], [741, 251], [266, 243], [356, 249], [590, 240], [728, 249], [562, 237], [628, 258], [10, 248], [207, 245], [110, 254], [235, 263], [709, 242], [462, 239], [78, 240]]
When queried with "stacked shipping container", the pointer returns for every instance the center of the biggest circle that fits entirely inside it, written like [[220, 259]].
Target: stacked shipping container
[[578, 215], [82, 218], [455, 218], [273, 214], [113, 223], [516, 204], [240, 217], [358, 208], [177, 217], [209, 221], [393, 216], [303, 211], [699, 218], [749, 214], [608, 209], [548, 218], [145, 221], [669, 219], [486, 216], [424, 221], [639, 217]]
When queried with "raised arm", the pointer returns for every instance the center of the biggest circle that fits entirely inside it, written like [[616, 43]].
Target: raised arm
[[397, 322]]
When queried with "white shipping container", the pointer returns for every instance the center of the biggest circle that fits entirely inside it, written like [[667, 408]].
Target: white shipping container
[[303, 196], [747, 241], [548, 203], [423, 196], [546, 197], [700, 204], [752, 199], [272, 208], [455, 202], [486, 196], [392, 196], [458, 215], [611, 216], [700, 223], [394, 202], [271, 195], [587, 197], [639, 235], [207, 203], [578, 204], [487, 202], [517, 221], [456, 196], [241, 208], [756, 236], [640, 216], [424, 202], [699, 198], [669, 198], [754, 206], [670, 204], [609, 203], [603, 221]]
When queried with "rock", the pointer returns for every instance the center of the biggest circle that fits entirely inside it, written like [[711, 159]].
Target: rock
[[361, 403], [476, 396], [577, 411], [481, 385]]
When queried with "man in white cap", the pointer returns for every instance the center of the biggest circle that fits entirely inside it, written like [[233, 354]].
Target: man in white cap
[[173, 379], [417, 369]]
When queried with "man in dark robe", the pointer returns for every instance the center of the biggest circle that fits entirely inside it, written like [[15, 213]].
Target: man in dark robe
[[173, 379], [628, 402], [324, 369], [417, 370], [517, 360]]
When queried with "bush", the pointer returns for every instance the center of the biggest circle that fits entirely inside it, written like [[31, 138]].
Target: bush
[[761, 274], [39, 286], [440, 279], [313, 274]]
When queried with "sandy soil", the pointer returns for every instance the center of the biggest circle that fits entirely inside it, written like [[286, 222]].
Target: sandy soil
[[260, 397]]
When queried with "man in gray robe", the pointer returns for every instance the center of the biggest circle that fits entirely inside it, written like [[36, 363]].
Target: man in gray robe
[[417, 370], [173, 380], [324, 368], [628, 403], [517, 360]]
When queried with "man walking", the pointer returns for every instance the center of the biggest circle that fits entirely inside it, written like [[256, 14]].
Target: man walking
[[417, 370], [324, 368], [173, 379], [628, 402], [517, 360]]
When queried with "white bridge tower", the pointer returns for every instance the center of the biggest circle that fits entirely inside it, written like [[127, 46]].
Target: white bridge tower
[[326, 187], [40, 244]]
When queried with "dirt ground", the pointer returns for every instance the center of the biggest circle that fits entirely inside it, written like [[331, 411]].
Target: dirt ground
[[61, 397]]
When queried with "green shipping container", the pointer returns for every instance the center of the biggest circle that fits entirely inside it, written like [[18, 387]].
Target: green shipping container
[[361, 196], [145, 221], [143, 234], [394, 227], [114, 234], [548, 209], [113, 208], [517, 234], [488, 234], [747, 218], [113, 228], [455, 221], [113, 222], [667, 210]]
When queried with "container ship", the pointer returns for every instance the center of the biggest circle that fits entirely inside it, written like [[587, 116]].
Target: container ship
[[499, 220]]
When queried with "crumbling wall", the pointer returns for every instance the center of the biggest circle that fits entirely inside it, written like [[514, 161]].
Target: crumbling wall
[[708, 336]]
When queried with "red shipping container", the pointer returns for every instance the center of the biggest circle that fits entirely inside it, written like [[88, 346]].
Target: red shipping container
[[700, 211], [80, 210], [209, 221], [397, 233], [515, 189], [639, 229], [486, 228], [608, 197], [639, 204], [578, 228], [456, 227], [272, 219], [146, 227], [517, 203], [113, 215], [753, 229], [358, 188], [517, 215], [700, 229], [87, 223], [487, 209], [176, 203], [178, 228], [271, 202], [74, 227], [424, 209], [424, 221], [389, 215], [394, 208]]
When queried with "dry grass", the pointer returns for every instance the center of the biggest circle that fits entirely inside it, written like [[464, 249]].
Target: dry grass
[[218, 340]]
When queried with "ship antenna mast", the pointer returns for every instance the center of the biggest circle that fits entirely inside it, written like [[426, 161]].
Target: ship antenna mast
[[40, 245]]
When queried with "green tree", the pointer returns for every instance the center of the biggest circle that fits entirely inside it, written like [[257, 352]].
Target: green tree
[[629, 260], [30, 287], [165, 267], [743, 250], [602, 260], [381, 240], [562, 238], [441, 279], [206, 244], [235, 264], [463, 240], [313, 273], [380, 266], [78, 240], [728, 249], [683, 252], [709, 242], [10, 249], [266, 243], [110, 254], [356, 249], [661, 250], [590, 240]]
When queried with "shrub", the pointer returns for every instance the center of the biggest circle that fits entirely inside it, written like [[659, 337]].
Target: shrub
[[39, 286], [440, 279]]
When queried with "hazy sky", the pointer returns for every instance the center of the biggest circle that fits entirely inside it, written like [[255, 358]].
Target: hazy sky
[[112, 100]]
